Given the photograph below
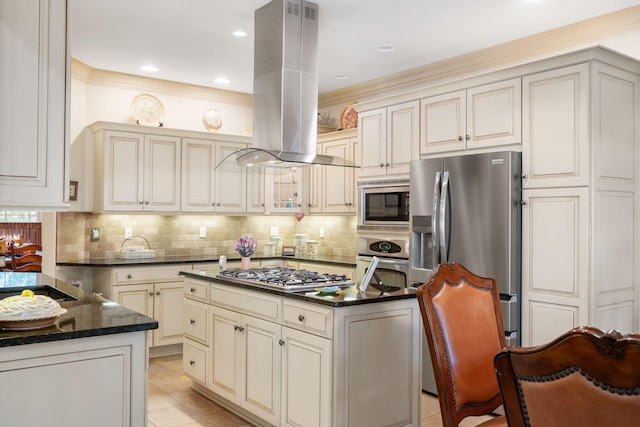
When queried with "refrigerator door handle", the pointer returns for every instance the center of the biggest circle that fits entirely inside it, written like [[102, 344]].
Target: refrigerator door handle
[[434, 219], [445, 218]]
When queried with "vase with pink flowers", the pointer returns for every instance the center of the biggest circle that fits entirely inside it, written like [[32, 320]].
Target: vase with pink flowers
[[246, 246]]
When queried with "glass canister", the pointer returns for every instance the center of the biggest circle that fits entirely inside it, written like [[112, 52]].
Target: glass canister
[[310, 248], [298, 241], [277, 240], [269, 248]]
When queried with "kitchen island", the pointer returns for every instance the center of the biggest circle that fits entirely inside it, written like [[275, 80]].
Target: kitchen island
[[88, 368], [281, 358]]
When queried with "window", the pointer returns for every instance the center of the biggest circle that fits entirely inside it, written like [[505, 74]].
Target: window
[[19, 216]]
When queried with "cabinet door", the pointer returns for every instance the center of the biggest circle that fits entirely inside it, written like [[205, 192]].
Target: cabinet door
[[403, 134], [34, 166], [161, 173], [284, 189], [198, 157], [123, 176], [555, 262], [555, 151], [494, 114], [168, 307], [263, 358], [227, 350], [256, 197], [372, 133], [337, 182], [443, 123], [315, 176], [230, 180], [306, 379], [135, 297]]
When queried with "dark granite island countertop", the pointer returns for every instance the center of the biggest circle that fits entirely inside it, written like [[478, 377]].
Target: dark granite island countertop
[[88, 316], [348, 297]]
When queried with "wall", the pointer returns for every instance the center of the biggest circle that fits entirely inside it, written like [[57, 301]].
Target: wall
[[178, 235]]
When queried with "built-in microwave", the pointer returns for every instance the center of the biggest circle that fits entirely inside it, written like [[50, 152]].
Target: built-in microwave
[[383, 204]]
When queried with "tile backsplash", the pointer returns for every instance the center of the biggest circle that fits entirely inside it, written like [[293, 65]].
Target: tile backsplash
[[179, 235]]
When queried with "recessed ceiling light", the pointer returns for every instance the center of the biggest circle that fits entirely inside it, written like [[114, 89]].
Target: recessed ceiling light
[[384, 48], [340, 76], [222, 81], [149, 68], [239, 33]]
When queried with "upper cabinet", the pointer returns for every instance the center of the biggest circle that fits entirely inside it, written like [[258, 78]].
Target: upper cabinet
[[479, 117], [206, 188], [33, 120], [389, 139]]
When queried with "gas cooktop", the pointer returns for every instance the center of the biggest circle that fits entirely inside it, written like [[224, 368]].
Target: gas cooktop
[[285, 278]]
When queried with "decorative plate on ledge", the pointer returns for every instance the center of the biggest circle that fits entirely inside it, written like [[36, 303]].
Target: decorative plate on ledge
[[147, 110], [349, 117]]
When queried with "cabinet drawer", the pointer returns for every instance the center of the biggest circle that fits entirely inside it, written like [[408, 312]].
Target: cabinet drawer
[[147, 275], [196, 290], [195, 320], [194, 361], [249, 302], [310, 318]]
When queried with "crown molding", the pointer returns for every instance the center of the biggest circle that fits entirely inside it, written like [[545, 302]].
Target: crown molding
[[561, 40]]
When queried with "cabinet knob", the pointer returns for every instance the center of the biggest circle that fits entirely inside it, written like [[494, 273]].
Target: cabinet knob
[[523, 176], [281, 342], [262, 205], [523, 202], [192, 290], [468, 137], [150, 293], [387, 164], [460, 138], [213, 204], [192, 321], [218, 204], [146, 202], [140, 202], [238, 328], [157, 292], [192, 362], [300, 317], [128, 276], [381, 165]]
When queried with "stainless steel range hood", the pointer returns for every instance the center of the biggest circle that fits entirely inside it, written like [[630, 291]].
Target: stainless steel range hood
[[285, 88]]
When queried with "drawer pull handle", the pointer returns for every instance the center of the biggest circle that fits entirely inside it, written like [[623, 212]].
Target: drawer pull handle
[[128, 276], [192, 362], [192, 321], [301, 317], [281, 342], [193, 290]]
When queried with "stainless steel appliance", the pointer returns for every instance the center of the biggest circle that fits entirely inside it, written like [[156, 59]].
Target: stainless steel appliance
[[467, 209], [392, 250], [285, 279], [383, 205]]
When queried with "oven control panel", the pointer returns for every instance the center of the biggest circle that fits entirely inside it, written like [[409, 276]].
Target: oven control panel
[[385, 247]]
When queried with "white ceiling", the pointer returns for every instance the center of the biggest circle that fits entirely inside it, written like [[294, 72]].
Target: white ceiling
[[190, 41]]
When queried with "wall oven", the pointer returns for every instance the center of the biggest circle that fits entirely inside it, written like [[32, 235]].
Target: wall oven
[[392, 250], [383, 205]]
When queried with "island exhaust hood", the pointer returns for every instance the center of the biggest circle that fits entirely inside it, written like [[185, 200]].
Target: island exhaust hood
[[285, 88]]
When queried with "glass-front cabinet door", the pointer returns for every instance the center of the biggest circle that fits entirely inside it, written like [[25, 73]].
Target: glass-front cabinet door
[[285, 188]]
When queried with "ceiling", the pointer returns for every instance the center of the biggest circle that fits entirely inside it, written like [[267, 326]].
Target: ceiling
[[190, 41]]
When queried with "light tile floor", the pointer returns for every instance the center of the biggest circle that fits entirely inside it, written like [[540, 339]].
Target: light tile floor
[[172, 402]]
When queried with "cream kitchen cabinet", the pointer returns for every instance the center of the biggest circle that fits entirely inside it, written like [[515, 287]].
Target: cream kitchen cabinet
[[205, 189], [284, 190], [156, 292], [580, 215], [256, 194], [479, 117], [333, 189], [286, 362], [34, 105], [135, 171], [389, 139]]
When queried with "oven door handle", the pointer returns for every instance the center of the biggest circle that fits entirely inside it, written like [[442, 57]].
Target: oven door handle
[[434, 219]]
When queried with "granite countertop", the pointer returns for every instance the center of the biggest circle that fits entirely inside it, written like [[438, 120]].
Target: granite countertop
[[350, 296], [195, 259], [90, 315]]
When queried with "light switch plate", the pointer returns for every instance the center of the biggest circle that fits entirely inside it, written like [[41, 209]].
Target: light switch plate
[[128, 232], [203, 232], [95, 233]]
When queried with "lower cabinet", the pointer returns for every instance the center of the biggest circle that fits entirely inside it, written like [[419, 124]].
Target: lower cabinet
[[286, 362]]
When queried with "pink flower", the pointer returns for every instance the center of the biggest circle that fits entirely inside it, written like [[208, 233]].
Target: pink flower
[[246, 246]]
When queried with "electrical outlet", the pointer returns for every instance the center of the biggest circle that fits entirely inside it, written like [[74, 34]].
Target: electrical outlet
[[275, 230], [322, 232], [95, 233], [203, 232], [128, 232]]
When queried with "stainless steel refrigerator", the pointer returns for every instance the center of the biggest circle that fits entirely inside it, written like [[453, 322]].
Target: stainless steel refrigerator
[[467, 209]]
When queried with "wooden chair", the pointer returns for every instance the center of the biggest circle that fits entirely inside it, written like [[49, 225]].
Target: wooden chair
[[585, 377], [463, 323], [26, 258]]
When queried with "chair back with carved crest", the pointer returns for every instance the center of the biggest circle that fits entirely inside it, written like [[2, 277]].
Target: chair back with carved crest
[[586, 377]]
